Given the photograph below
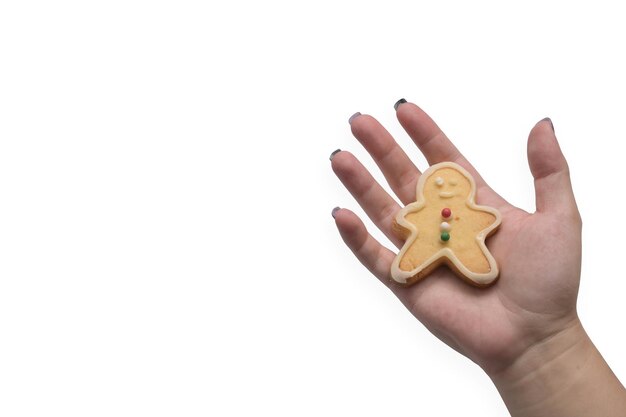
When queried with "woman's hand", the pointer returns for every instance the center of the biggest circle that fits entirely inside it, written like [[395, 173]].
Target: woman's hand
[[538, 254], [524, 330]]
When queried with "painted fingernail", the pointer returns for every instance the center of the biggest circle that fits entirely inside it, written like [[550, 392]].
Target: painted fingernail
[[547, 119], [354, 116], [335, 210], [401, 101], [334, 153]]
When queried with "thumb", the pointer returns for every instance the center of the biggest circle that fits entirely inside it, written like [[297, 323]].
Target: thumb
[[553, 188]]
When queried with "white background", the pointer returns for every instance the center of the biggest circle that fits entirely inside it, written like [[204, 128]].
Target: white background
[[166, 244]]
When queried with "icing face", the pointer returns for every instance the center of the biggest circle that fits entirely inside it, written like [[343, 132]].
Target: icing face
[[448, 184]]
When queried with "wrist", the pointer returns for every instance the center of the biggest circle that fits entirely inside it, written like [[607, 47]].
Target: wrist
[[564, 374]]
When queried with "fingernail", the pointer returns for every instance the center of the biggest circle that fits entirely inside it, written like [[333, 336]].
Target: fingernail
[[547, 119], [401, 101], [354, 116], [334, 153], [335, 210]]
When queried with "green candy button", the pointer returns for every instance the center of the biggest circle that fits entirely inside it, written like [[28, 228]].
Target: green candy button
[[445, 236]]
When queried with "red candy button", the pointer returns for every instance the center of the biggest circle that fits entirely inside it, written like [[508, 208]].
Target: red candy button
[[446, 213]]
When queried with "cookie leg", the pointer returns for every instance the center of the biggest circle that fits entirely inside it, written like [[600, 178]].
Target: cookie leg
[[415, 263], [475, 266]]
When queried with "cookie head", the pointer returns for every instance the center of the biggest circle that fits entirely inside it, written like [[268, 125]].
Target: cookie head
[[447, 184]]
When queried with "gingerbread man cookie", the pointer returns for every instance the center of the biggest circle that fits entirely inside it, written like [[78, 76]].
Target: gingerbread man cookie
[[445, 226]]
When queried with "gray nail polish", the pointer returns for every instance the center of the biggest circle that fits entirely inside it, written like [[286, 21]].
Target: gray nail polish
[[335, 210], [401, 101], [547, 119], [334, 153], [354, 116]]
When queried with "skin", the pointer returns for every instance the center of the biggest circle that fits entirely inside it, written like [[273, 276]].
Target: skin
[[524, 331]]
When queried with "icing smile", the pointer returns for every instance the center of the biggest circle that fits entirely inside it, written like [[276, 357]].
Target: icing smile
[[445, 194]]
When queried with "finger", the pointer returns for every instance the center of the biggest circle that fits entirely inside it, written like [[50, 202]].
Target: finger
[[398, 169], [433, 143], [436, 146], [374, 256], [377, 203], [553, 187]]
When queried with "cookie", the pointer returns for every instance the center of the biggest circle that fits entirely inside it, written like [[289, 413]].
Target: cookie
[[445, 226]]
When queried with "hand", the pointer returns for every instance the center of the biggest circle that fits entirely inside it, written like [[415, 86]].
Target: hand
[[539, 254]]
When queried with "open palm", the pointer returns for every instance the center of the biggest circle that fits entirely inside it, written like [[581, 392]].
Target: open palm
[[538, 253]]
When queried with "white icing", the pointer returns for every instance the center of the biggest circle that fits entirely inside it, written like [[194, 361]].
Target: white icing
[[446, 254], [446, 194], [445, 226], [439, 181]]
